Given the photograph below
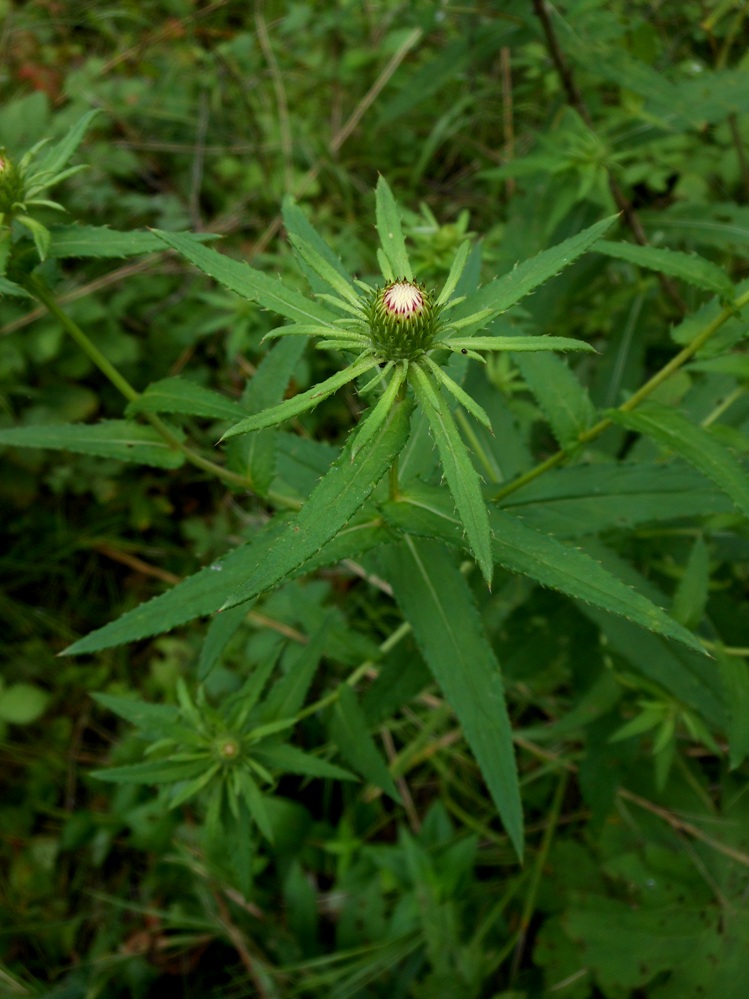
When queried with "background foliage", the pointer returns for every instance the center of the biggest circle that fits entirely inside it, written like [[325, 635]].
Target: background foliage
[[514, 125]]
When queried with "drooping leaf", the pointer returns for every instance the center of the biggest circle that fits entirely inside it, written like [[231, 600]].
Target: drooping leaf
[[693, 443], [330, 506], [178, 395], [390, 231], [100, 241], [543, 558], [436, 600], [688, 267], [252, 284], [118, 439], [350, 732]]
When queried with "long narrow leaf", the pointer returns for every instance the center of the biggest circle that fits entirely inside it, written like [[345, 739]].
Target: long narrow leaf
[[330, 506], [519, 343], [696, 445], [239, 277], [302, 402], [505, 291], [531, 553], [390, 231], [437, 602], [462, 477], [689, 267]]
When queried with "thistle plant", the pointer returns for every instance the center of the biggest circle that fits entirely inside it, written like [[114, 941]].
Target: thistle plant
[[400, 334]]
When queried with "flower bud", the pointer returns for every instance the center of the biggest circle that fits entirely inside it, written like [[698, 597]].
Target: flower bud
[[402, 320]]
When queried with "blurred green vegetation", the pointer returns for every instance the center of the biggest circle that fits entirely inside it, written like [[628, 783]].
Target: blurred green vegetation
[[514, 123]]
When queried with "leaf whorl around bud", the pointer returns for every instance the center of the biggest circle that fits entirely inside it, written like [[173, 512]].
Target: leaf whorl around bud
[[402, 320]]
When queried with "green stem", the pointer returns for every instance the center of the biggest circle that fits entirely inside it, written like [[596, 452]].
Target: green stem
[[634, 400], [45, 296]]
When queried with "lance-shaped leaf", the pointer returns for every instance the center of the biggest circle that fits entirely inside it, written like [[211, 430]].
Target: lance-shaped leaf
[[100, 241], [178, 395], [239, 277], [543, 558], [436, 600], [119, 439], [689, 267], [505, 291], [325, 270], [330, 506], [521, 344], [694, 444], [391, 233], [302, 402], [462, 477], [349, 729]]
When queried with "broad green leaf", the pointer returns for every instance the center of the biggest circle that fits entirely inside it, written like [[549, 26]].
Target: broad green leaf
[[504, 292], [350, 732], [391, 232], [694, 444], [205, 591], [688, 267], [519, 343], [288, 759], [100, 241], [436, 600], [462, 477], [562, 399], [543, 558], [239, 277], [117, 439], [303, 401], [330, 506], [178, 395], [155, 771], [11, 288]]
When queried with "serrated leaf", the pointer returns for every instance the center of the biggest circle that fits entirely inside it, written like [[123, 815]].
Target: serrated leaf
[[734, 677], [520, 343], [329, 274], [504, 292], [531, 553], [390, 231], [330, 506], [560, 396], [289, 759], [100, 241], [689, 267], [117, 439], [239, 277], [350, 732], [462, 477], [301, 402], [39, 232], [178, 395], [693, 443], [205, 591], [436, 600]]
